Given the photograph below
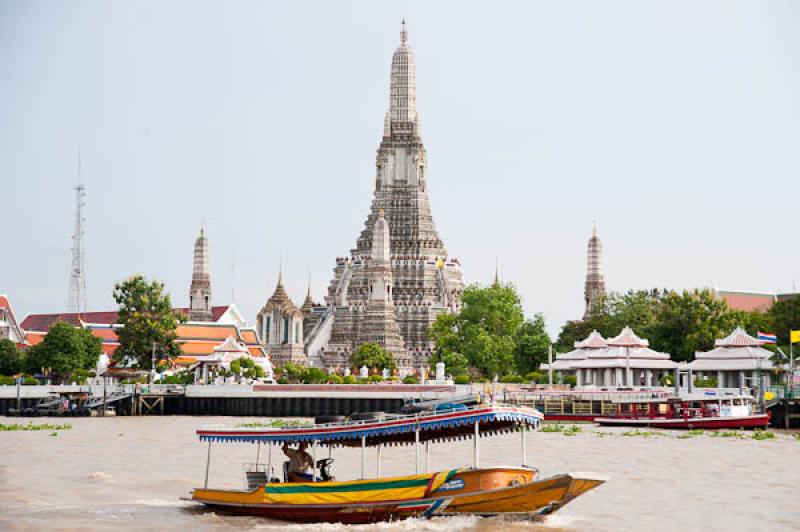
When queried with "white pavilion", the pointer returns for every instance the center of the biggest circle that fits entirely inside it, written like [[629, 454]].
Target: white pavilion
[[627, 360], [583, 349], [221, 358], [735, 361]]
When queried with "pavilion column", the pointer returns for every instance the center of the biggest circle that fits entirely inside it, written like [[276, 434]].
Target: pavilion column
[[205, 373], [617, 377], [579, 377], [721, 379], [741, 379], [649, 378]]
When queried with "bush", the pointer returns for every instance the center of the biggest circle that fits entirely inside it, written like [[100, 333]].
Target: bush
[[537, 376], [350, 380], [461, 379], [410, 379], [30, 381], [511, 378], [282, 380], [706, 383], [314, 376], [6, 381], [335, 379], [572, 380], [375, 378]]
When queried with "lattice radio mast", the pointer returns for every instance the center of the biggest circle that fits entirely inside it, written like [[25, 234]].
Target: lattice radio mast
[[76, 300]]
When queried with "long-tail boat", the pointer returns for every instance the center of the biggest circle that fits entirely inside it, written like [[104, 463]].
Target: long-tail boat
[[478, 491]]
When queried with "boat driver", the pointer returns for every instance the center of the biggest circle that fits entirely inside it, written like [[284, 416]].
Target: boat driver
[[299, 463]]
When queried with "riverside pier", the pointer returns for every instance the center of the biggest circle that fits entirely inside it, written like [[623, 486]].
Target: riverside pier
[[269, 400]]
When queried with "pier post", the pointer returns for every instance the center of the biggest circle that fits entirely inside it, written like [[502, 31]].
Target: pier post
[[208, 464], [363, 451], [269, 463], [427, 457], [524, 444], [314, 461], [416, 451], [476, 451], [379, 461]]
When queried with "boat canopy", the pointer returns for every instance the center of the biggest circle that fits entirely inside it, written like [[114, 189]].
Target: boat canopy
[[392, 430]]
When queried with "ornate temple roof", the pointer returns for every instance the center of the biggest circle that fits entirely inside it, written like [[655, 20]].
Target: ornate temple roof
[[627, 338], [738, 338], [736, 352], [595, 340], [280, 300]]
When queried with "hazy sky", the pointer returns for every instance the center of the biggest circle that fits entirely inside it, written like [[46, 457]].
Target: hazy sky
[[676, 125]]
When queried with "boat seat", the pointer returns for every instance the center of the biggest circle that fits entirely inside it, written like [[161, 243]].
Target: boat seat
[[255, 479]]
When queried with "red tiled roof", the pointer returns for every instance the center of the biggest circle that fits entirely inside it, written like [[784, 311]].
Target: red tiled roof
[[747, 302], [43, 322]]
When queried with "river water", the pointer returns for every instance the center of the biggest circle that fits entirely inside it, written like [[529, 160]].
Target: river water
[[129, 473]]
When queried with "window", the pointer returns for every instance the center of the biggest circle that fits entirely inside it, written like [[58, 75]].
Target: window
[[297, 333], [267, 327], [285, 330]]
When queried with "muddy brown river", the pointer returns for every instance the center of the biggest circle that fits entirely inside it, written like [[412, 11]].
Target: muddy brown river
[[129, 473]]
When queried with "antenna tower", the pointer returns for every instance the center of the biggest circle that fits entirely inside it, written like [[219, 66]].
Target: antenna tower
[[76, 300]]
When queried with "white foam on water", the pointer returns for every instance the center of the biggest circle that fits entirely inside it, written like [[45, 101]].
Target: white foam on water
[[161, 502], [99, 476]]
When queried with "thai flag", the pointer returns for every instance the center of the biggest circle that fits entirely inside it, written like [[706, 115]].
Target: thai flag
[[767, 338]]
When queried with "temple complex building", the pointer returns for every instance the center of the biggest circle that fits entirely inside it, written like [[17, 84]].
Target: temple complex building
[[735, 361], [390, 289], [200, 289], [280, 325], [595, 287]]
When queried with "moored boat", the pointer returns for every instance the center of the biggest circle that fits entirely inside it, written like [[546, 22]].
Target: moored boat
[[475, 490], [691, 411]]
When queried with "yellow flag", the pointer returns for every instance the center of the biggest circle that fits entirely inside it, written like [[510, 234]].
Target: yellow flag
[[794, 336]]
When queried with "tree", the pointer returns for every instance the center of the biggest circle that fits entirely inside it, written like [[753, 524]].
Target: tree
[[485, 330], [372, 356], [10, 358], [148, 319], [64, 350], [785, 316], [455, 363], [532, 343], [690, 321]]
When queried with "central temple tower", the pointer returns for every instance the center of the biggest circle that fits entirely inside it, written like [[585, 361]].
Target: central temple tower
[[425, 280]]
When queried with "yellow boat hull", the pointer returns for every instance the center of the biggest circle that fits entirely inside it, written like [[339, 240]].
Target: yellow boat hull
[[495, 491]]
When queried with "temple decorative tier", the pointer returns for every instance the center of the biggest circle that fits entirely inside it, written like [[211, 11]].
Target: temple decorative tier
[[421, 278]]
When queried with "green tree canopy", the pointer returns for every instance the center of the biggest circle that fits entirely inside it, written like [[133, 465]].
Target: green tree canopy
[[532, 343], [148, 319], [64, 350], [485, 331], [785, 316], [373, 356], [678, 323], [10, 358]]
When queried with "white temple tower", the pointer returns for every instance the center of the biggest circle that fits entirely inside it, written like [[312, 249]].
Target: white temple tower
[[595, 287], [200, 289], [424, 280]]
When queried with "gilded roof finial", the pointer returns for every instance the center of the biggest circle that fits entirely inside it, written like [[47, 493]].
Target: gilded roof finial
[[403, 32]]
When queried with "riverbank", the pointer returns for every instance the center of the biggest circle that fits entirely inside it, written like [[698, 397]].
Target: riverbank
[[129, 472]]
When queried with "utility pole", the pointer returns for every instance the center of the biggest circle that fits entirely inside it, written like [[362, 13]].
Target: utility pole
[[550, 364]]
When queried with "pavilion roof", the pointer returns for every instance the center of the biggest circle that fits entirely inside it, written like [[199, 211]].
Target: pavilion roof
[[595, 340], [738, 338], [628, 338]]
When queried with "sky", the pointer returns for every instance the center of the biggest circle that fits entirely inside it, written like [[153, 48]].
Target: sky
[[674, 124]]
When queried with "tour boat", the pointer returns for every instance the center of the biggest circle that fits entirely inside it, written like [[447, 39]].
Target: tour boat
[[693, 411], [477, 491]]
